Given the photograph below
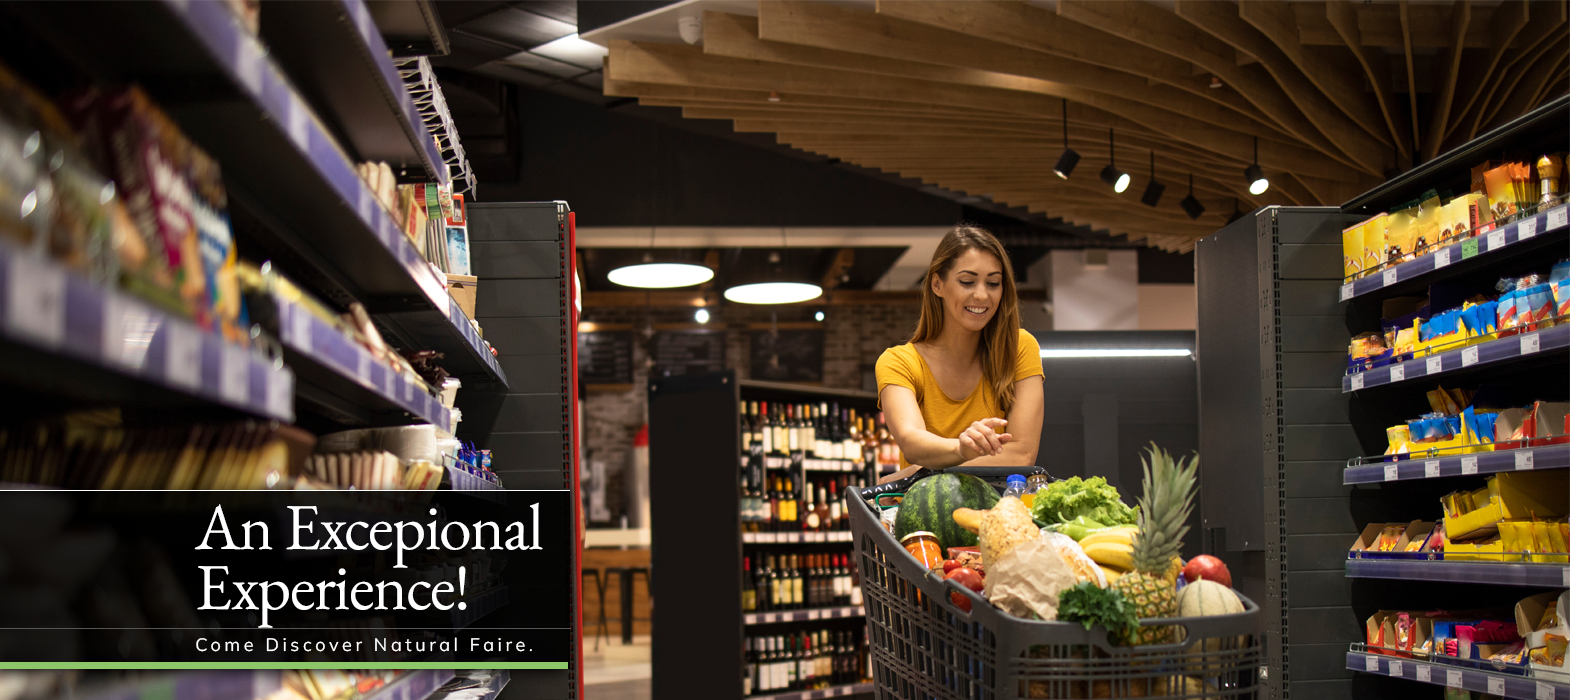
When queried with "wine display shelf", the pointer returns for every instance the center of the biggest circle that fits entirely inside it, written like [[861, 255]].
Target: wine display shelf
[[834, 692], [796, 537], [769, 618]]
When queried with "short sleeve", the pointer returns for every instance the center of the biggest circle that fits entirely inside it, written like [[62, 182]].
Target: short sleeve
[[1029, 364], [896, 367]]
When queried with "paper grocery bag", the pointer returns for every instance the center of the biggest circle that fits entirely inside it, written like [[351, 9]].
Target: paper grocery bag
[[1028, 580]]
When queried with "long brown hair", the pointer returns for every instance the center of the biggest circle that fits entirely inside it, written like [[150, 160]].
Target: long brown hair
[[1000, 339]]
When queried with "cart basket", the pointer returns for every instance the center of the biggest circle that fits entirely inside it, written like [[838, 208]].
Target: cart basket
[[925, 648]]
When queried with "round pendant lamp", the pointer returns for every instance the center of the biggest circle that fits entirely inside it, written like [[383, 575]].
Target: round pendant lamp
[[659, 275], [777, 287]]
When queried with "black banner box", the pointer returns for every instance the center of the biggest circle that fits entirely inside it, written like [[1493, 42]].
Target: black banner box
[[231, 576]]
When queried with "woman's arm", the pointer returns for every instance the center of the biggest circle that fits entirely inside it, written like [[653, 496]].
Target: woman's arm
[[922, 447], [1024, 428]]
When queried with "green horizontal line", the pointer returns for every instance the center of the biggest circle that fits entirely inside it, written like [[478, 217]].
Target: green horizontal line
[[278, 665]]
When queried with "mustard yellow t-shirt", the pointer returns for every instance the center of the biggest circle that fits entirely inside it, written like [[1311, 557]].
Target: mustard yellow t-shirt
[[902, 366]]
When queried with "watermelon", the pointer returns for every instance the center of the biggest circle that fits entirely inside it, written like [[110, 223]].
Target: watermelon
[[929, 506]]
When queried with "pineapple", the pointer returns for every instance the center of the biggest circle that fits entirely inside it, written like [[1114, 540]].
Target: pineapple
[[1163, 513]]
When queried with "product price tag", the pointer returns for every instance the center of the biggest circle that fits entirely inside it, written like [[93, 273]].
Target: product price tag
[[300, 329], [1544, 690], [1434, 365], [1389, 277], [362, 369], [182, 355], [1468, 248], [299, 124], [1523, 460], [1496, 686], [1469, 356], [1431, 468], [1530, 344], [35, 301], [234, 374], [112, 334], [248, 65], [389, 378], [1564, 576], [1526, 229], [280, 395], [770, 617], [363, 204], [1441, 258], [814, 614], [1453, 678], [1425, 673], [1346, 291], [408, 391], [1371, 663], [1397, 373], [1392, 472], [1357, 381], [1496, 239], [1557, 218], [1469, 464], [1395, 667]]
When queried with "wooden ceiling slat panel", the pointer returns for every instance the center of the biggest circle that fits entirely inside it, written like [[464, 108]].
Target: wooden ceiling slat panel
[[1505, 24], [1376, 64], [1546, 19], [1449, 62]]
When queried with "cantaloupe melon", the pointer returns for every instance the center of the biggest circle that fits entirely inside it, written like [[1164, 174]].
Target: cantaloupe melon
[[1204, 599]]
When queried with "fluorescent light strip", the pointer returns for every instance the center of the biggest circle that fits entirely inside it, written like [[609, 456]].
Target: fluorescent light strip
[[1060, 353]]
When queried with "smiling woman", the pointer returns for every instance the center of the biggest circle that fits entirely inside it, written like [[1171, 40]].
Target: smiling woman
[[967, 388]]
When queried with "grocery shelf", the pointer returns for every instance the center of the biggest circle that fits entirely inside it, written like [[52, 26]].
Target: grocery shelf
[[339, 378], [96, 338], [334, 52], [834, 692], [1487, 572], [1492, 352], [1420, 467], [420, 82], [769, 618], [796, 537], [412, 685], [492, 686], [461, 478], [811, 464], [250, 685], [1501, 684], [478, 606], [1544, 226], [295, 196]]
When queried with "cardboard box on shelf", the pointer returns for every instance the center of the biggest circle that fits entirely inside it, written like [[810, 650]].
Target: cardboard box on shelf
[[463, 289]]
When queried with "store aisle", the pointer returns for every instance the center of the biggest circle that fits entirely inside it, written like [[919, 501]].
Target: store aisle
[[617, 671]]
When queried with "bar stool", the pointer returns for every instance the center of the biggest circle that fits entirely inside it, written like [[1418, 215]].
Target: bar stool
[[627, 575], [601, 625]]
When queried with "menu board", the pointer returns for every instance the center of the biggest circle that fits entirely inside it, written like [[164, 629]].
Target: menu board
[[605, 357], [787, 355], [678, 352]]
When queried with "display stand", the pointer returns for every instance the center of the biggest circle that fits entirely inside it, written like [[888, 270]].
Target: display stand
[[694, 443]]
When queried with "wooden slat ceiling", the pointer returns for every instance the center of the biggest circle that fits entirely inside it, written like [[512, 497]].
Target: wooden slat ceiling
[[969, 95]]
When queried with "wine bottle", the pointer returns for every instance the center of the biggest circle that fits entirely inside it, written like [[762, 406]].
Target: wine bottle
[[749, 594]]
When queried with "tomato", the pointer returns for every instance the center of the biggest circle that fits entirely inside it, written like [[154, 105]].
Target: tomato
[[950, 565], [967, 578], [959, 600]]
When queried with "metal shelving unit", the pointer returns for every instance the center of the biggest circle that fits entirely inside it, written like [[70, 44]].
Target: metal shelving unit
[[1531, 345], [1419, 466], [1501, 684], [1544, 227], [1483, 572], [801, 615]]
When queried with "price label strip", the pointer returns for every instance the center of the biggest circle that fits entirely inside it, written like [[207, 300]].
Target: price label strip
[[280, 395], [1371, 663], [1397, 373], [1558, 218], [1357, 381], [182, 355], [1346, 291], [1425, 673], [1496, 686], [1392, 472], [1544, 690], [1530, 344], [234, 375], [1453, 678], [1523, 460], [1469, 356], [1395, 668], [1496, 239], [1469, 464], [1389, 277], [1431, 468], [1469, 248], [1526, 229], [35, 301], [1433, 365], [1441, 258]]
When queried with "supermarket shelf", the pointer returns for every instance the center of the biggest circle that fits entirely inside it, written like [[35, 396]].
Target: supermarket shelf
[[492, 686], [335, 53], [412, 685], [479, 606], [812, 464], [98, 337], [815, 391], [801, 615], [1483, 354], [340, 379], [294, 194], [1502, 684], [420, 82], [197, 684], [1550, 225], [836, 691], [796, 537], [1487, 572], [1550, 457], [462, 478]]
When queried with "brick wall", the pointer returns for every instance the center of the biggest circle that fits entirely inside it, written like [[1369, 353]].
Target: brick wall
[[853, 338]]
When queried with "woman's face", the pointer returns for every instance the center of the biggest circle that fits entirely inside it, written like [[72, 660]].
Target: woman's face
[[972, 290]]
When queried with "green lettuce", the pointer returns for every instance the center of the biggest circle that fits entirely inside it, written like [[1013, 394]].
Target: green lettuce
[[1093, 499]]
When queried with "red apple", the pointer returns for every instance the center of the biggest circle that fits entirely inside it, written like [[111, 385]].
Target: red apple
[[1208, 568]]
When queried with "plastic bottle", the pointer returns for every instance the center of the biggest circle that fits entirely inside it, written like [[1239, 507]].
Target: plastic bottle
[[1016, 486]]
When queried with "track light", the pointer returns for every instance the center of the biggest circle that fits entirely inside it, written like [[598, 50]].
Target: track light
[[1111, 175], [1254, 175], [1237, 213], [1069, 159], [1191, 206], [1154, 190]]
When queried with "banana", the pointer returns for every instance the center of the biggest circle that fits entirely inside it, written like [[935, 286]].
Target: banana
[[1119, 536], [1118, 555], [1111, 573]]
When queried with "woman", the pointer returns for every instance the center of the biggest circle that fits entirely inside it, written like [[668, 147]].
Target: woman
[[967, 388]]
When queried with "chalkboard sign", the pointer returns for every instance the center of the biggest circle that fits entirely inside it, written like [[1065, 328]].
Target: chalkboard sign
[[605, 357], [787, 355], [688, 352]]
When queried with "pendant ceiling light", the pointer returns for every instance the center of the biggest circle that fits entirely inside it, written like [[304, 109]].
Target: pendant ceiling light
[[1111, 175], [1254, 175], [1069, 159], [1190, 204], [776, 287], [659, 275], [1237, 213], [1154, 190]]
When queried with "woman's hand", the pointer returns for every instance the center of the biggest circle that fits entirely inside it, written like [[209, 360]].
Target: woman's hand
[[983, 439]]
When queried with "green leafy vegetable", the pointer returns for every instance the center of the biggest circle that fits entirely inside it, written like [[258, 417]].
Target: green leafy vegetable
[[1091, 605], [1093, 499]]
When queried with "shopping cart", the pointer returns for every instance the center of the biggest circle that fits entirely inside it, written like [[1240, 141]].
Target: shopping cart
[[925, 648]]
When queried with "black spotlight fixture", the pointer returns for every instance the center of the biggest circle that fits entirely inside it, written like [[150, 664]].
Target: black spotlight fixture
[[1237, 213], [1254, 175], [1111, 175], [1190, 204], [1153, 190], [1069, 159]]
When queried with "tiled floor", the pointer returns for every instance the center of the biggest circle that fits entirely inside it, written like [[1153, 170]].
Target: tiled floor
[[617, 671]]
